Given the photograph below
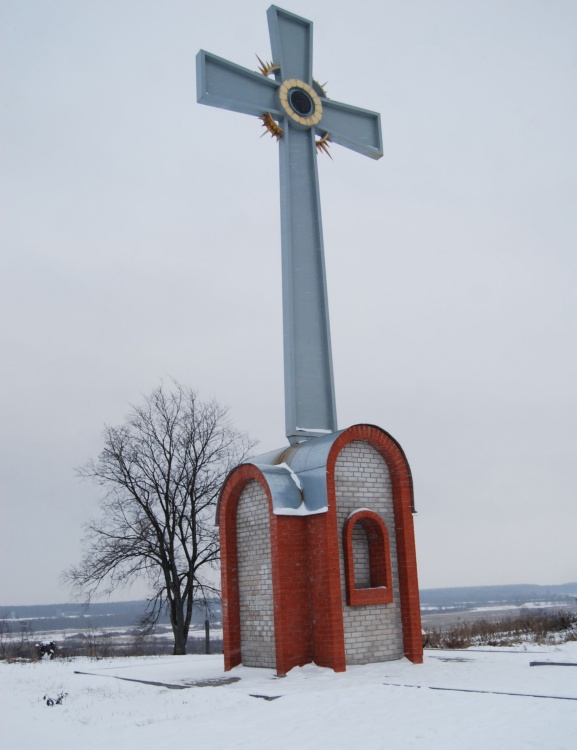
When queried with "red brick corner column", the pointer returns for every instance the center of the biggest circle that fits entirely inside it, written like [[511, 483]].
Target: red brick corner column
[[291, 593], [402, 482], [326, 608]]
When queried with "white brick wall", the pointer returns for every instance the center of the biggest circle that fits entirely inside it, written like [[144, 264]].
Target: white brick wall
[[257, 641], [373, 632]]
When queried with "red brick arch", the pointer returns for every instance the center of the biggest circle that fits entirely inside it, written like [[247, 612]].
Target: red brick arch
[[233, 487], [380, 590]]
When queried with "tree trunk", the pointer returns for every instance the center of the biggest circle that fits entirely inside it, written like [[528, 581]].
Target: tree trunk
[[179, 642], [178, 627]]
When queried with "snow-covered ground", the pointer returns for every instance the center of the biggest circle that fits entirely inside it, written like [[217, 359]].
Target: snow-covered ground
[[453, 700]]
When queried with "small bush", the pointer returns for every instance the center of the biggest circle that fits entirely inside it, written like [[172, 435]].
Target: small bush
[[46, 650]]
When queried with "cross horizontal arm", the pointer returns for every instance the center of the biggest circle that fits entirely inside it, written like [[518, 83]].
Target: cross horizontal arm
[[220, 83], [357, 129]]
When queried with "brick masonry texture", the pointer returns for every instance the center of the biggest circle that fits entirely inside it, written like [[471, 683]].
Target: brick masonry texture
[[372, 632], [255, 578]]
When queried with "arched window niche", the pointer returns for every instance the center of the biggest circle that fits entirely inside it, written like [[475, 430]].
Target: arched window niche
[[380, 588]]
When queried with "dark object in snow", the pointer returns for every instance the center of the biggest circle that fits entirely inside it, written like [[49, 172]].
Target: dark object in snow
[[46, 650], [54, 701], [552, 664], [265, 697]]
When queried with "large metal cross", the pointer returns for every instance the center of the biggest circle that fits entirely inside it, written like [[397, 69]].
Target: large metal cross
[[295, 108]]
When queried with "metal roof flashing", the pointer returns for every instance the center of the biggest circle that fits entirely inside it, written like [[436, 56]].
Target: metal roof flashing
[[301, 464]]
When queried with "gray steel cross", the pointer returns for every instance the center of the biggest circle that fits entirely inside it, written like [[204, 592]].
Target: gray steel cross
[[295, 109]]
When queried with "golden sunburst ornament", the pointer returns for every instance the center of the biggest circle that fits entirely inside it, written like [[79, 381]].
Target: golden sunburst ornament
[[272, 127], [266, 68], [323, 144], [295, 108]]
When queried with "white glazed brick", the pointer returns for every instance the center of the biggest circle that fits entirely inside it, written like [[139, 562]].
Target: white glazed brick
[[372, 633], [257, 641]]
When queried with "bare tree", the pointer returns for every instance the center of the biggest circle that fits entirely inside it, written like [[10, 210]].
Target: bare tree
[[161, 471]]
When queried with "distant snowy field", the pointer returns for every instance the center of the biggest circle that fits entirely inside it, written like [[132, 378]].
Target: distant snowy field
[[392, 706]]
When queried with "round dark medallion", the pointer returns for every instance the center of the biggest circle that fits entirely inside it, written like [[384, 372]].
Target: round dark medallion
[[301, 102]]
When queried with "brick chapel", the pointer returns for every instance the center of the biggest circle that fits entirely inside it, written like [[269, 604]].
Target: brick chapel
[[318, 555]]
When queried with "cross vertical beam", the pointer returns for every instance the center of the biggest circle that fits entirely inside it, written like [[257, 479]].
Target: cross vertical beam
[[310, 404], [300, 108]]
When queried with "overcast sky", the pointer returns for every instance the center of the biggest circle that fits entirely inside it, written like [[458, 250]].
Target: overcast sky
[[141, 241]]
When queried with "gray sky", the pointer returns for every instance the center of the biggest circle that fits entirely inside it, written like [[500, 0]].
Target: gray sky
[[140, 240]]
